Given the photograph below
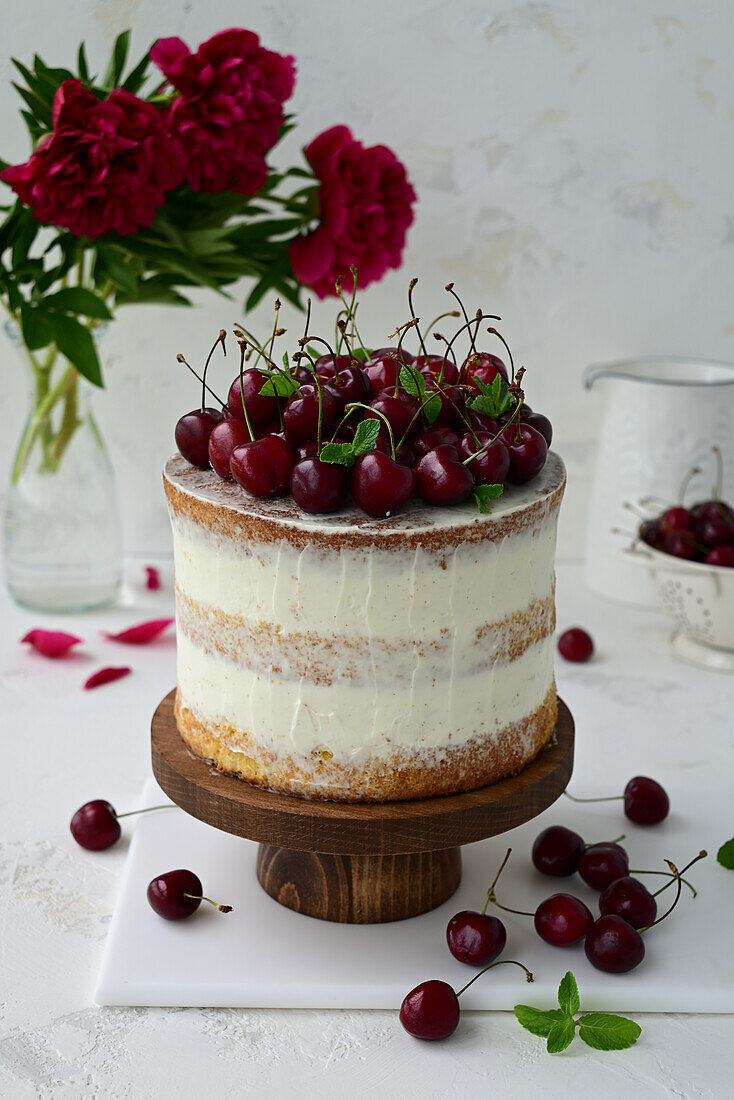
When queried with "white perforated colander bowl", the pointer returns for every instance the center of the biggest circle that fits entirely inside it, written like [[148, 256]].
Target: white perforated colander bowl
[[700, 600]]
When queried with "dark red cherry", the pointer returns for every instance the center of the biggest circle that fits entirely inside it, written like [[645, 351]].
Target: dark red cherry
[[318, 486], [406, 456], [382, 370], [259, 409], [562, 919], [95, 825], [541, 424], [557, 851], [399, 411], [263, 467], [490, 467], [681, 545], [352, 386], [431, 1010], [435, 366], [629, 899], [442, 480], [676, 520], [223, 441], [575, 645], [385, 353], [453, 399], [721, 555], [192, 435], [528, 450], [301, 413], [651, 533], [602, 864], [327, 365], [483, 366], [428, 440], [475, 938], [480, 422], [381, 487], [614, 946], [169, 894], [645, 801]]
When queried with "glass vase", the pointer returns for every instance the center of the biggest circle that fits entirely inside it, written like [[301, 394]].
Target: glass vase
[[62, 534]]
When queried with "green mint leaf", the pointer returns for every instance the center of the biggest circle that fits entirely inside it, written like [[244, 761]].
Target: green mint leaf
[[286, 362], [483, 403], [279, 385], [568, 994], [725, 855], [338, 454], [432, 409], [604, 1031], [412, 381], [493, 399], [482, 495], [365, 437], [536, 1020], [561, 1035], [501, 394]]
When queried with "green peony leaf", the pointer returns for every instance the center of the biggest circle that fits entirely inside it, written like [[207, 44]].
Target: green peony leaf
[[605, 1031], [75, 342], [77, 299], [37, 331]]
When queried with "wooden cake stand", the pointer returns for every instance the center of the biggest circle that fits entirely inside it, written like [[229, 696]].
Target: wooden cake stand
[[358, 863]]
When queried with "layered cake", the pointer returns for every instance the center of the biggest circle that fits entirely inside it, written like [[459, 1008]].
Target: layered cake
[[364, 659]]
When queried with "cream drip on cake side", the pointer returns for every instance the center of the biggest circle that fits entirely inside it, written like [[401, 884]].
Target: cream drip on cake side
[[361, 639]]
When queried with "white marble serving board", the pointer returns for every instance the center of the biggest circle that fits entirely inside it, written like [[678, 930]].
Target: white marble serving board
[[263, 955]]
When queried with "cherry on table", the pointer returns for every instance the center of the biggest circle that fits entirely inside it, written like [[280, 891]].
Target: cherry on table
[[562, 919], [353, 386], [192, 435], [629, 899], [431, 1010], [576, 645], [557, 851], [475, 938], [95, 826], [381, 486], [319, 487], [263, 466], [645, 801], [613, 945], [177, 894], [602, 864]]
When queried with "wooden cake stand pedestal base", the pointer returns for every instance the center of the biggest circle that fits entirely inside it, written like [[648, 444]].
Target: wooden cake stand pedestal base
[[358, 863]]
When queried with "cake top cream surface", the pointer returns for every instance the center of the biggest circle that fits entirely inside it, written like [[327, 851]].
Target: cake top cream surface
[[228, 510]]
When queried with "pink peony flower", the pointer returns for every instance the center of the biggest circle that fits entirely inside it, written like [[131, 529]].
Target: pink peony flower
[[105, 167], [366, 203], [230, 108]]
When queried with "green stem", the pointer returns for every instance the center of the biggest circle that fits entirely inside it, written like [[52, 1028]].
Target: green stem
[[40, 417]]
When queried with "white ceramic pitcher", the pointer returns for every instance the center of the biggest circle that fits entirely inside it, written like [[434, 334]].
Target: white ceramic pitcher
[[660, 417]]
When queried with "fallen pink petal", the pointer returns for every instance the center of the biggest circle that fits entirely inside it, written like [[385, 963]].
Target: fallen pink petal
[[140, 634], [105, 676], [152, 578], [51, 643]]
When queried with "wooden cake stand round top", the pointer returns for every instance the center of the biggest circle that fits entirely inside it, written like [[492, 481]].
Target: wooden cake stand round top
[[358, 862]]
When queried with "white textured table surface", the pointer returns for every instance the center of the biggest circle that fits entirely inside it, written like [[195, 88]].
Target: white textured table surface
[[637, 711]]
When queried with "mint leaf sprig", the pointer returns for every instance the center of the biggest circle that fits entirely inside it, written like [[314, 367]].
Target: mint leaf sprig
[[346, 454], [414, 384], [484, 493], [725, 855], [494, 398], [600, 1030]]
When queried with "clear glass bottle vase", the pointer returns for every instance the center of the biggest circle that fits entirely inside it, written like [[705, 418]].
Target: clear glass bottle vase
[[62, 533]]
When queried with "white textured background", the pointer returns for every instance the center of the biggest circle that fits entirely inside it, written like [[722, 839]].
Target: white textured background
[[573, 161]]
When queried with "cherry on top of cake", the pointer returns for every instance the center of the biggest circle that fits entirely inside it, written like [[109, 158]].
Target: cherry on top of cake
[[334, 428]]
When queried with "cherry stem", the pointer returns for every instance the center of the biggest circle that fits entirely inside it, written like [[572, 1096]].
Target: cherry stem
[[494, 332], [376, 412], [181, 359], [200, 897], [258, 347], [349, 307], [716, 489], [701, 855], [449, 313], [479, 317], [304, 339], [320, 340], [411, 284], [669, 875], [450, 288], [668, 911], [515, 418], [686, 482], [402, 329], [491, 895], [147, 810], [607, 798], [243, 349], [502, 962], [219, 340]]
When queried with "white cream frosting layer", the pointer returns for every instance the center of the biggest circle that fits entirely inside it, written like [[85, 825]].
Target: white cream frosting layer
[[356, 721]]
